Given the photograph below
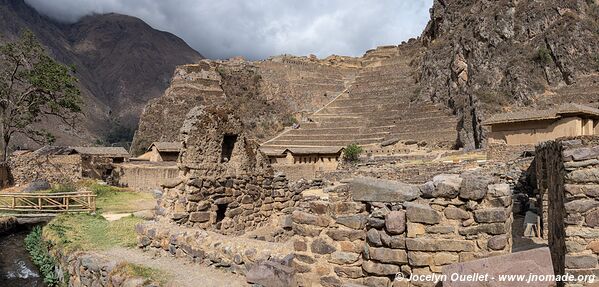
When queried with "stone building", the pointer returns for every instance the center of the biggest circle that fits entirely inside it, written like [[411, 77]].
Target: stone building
[[59, 164], [162, 151], [530, 127], [303, 162]]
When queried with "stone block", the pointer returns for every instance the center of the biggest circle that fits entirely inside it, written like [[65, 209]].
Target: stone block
[[444, 258], [581, 261], [371, 189], [499, 190], [342, 257], [201, 216], [348, 271], [375, 223], [423, 244], [310, 219], [535, 261], [440, 229], [271, 274], [421, 213], [580, 205], [420, 258], [488, 228], [387, 255], [373, 237], [305, 230], [490, 215], [321, 246], [447, 185], [582, 153], [498, 242], [341, 234], [474, 186], [395, 222], [590, 175], [357, 221], [415, 229], [452, 212], [382, 269]]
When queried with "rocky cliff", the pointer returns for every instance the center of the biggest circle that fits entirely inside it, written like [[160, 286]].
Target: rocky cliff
[[483, 57], [115, 85]]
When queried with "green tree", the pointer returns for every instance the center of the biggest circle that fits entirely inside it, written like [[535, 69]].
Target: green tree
[[352, 152], [33, 87]]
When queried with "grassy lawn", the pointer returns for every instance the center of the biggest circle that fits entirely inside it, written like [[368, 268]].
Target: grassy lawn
[[112, 199], [91, 232]]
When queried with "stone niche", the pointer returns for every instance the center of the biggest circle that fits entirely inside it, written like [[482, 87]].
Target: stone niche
[[224, 183], [568, 183]]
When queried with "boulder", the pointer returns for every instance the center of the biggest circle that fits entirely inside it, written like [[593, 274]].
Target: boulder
[[271, 274], [371, 189], [474, 186]]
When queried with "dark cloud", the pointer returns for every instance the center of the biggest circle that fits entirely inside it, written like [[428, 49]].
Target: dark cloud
[[258, 29]]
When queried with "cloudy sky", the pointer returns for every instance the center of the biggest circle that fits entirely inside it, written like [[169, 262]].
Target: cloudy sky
[[257, 29]]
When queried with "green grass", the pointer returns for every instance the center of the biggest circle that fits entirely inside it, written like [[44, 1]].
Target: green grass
[[112, 199], [91, 232], [150, 274]]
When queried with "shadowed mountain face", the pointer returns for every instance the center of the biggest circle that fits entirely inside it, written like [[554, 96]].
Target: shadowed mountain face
[[121, 63]]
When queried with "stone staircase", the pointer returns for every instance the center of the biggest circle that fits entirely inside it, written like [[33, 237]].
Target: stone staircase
[[378, 105]]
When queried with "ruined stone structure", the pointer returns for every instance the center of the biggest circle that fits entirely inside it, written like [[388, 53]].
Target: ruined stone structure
[[224, 185], [567, 179], [534, 126], [363, 233], [65, 164]]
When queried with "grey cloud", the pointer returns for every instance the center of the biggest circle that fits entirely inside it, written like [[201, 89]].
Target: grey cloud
[[258, 29]]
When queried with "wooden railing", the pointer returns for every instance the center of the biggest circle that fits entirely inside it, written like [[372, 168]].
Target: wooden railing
[[48, 202]]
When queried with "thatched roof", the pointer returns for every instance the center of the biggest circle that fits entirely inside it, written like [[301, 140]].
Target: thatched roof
[[166, 146], [537, 115]]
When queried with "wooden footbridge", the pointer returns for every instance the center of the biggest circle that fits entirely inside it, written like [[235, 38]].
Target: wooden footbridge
[[47, 203]]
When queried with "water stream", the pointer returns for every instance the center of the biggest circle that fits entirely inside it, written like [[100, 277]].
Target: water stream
[[16, 268]]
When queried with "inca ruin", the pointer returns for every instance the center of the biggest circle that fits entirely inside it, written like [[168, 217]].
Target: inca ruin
[[466, 154]]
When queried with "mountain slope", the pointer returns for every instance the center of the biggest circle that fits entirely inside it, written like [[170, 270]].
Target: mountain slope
[[121, 63]]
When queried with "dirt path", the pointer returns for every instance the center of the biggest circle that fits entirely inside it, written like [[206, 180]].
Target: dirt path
[[182, 273]]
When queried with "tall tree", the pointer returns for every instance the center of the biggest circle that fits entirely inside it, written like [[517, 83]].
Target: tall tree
[[33, 87]]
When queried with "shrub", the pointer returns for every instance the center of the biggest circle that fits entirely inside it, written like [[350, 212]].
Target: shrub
[[38, 250], [352, 152], [544, 56]]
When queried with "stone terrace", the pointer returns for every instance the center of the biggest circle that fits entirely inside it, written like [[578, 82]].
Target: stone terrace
[[379, 105]]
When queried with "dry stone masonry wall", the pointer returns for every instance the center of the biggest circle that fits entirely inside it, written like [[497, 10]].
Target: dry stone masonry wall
[[369, 231], [568, 181], [223, 185]]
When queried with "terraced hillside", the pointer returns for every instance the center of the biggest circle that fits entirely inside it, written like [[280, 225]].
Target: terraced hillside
[[379, 106]]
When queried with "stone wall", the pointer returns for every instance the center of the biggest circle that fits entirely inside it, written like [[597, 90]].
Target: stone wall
[[369, 231], [229, 194], [505, 153], [92, 269], [228, 205], [143, 176], [568, 182], [53, 168]]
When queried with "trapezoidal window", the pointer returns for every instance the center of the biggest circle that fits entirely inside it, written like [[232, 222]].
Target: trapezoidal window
[[227, 148]]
